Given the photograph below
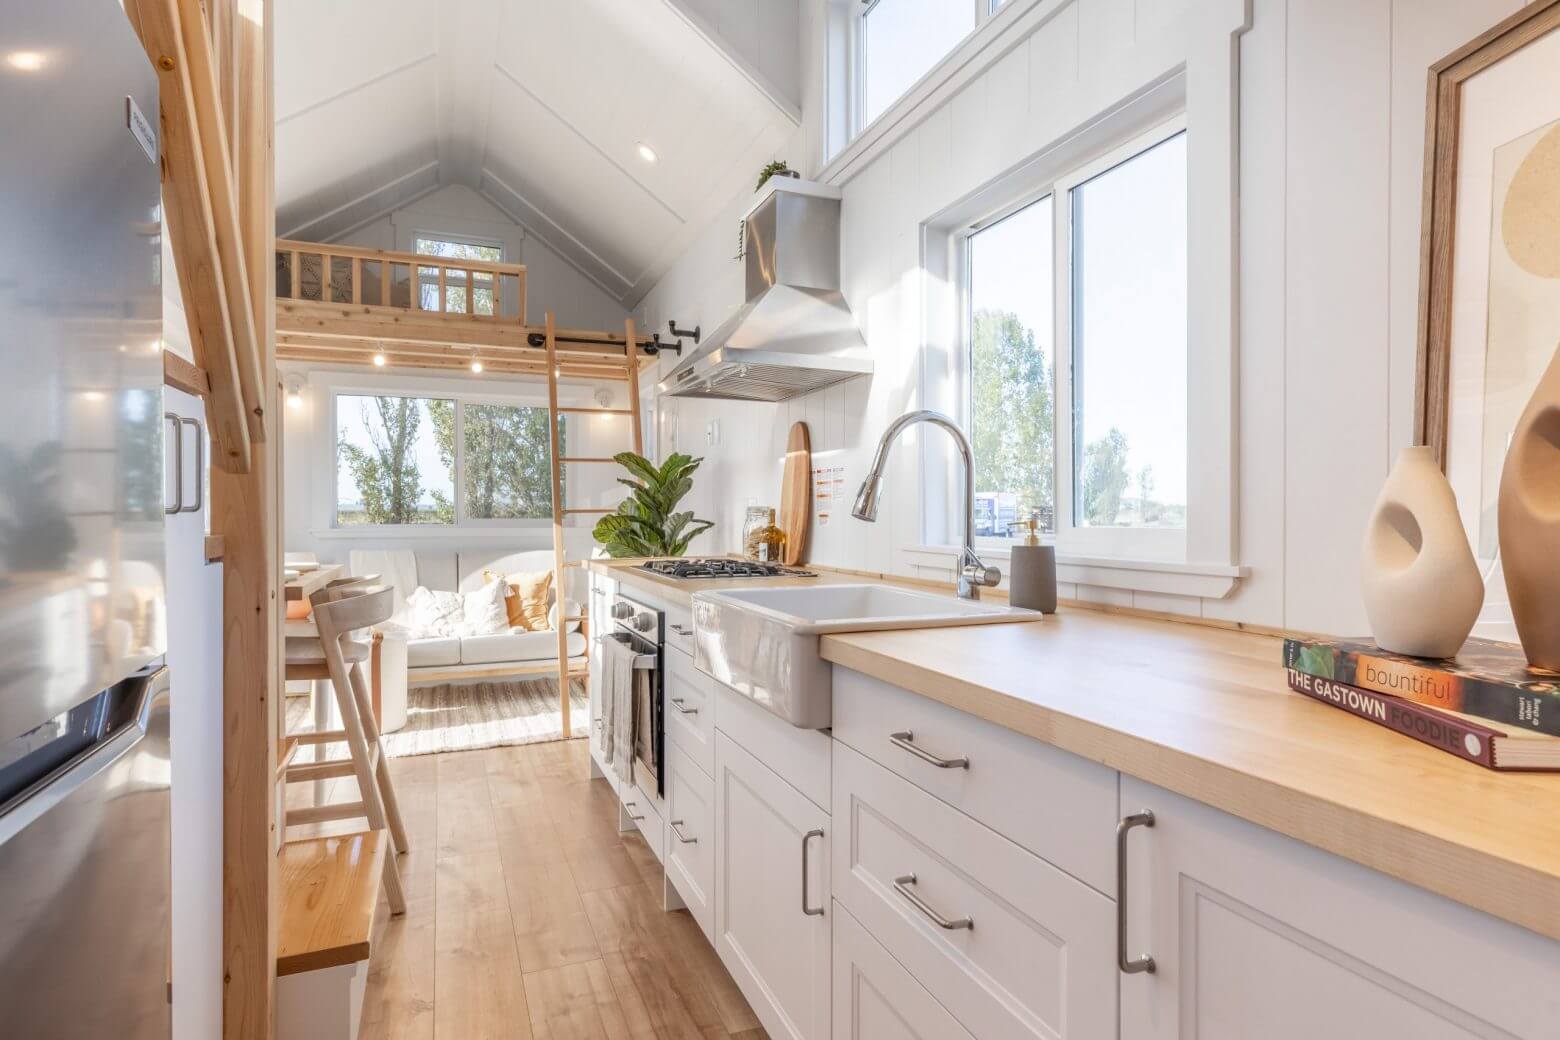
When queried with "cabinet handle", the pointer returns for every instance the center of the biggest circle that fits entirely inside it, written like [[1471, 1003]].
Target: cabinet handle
[[681, 705], [676, 826], [809, 836], [200, 466], [630, 807], [178, 465], [1144, 963], [905, 741], [952, 924]]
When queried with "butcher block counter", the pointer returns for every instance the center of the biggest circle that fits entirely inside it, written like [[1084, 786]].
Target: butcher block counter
[[1205, 712]]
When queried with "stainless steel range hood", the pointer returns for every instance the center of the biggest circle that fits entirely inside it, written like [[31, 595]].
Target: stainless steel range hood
[[795, 333]]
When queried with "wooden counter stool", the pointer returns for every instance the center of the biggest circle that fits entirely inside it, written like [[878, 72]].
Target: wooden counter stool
[[338, 612]]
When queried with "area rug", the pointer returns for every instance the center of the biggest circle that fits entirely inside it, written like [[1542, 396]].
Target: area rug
[[471, 716]]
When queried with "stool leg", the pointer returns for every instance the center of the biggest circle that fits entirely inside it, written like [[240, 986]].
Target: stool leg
[[382, 768], [373, 805]]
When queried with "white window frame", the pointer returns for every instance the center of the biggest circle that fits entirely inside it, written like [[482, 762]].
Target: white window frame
[[328, 389], [984, 10], [1142, 543], [1165, 544]]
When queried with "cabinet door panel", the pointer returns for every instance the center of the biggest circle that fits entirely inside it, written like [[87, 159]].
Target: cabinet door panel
[[1256, 935], [690, 710], [690, 836], [1034, 961], [875, 998], [778, 954]]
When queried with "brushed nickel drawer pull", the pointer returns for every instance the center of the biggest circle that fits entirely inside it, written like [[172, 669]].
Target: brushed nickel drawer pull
[[905, 741], [805, 839], [1144, 963], [681, 705], [676, 826], [902, 886], [629, 808]]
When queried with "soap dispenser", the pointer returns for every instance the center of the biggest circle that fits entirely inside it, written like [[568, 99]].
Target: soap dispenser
[[1032, 569]]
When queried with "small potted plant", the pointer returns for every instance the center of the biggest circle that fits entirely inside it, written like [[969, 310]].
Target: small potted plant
[[646, 523]]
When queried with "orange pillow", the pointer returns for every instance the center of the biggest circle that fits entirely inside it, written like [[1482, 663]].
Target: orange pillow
[[525, 600]]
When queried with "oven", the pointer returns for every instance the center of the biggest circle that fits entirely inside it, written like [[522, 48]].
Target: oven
[[643, 627]]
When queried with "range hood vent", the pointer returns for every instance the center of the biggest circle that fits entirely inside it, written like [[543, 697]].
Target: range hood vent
[[795, 333]]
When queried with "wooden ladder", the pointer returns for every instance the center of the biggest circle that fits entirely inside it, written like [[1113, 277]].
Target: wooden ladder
[[630, 373]]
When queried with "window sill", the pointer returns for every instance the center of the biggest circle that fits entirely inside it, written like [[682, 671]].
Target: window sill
[[1170, 577], [540, 530]]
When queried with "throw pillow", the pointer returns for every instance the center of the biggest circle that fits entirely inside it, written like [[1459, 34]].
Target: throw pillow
[[534, 587], [483, 612], [513, 605], [434, 614]]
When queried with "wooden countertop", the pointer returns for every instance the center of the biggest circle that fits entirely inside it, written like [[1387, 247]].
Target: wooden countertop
[[311, 581], [329, 892], [1206, 712]]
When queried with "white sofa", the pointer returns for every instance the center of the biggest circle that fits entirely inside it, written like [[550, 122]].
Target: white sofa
[[407, 660]]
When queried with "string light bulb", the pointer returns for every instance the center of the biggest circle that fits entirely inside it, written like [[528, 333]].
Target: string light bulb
[[476, 365], [379, 359]]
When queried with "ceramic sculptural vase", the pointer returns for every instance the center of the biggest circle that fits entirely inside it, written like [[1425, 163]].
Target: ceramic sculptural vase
[[1529, 519], [1421, 583]]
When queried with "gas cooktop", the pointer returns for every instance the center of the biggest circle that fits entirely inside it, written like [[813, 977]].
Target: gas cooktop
[[722, 567]]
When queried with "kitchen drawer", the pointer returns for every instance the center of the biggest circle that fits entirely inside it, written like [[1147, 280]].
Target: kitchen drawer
[[679, 629], [1039, 957], [690, 710], [690, 836], [642, 811], [875, 998], [1053, 803]]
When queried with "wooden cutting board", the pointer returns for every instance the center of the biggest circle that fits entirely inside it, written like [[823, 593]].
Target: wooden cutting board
[[796, 494]]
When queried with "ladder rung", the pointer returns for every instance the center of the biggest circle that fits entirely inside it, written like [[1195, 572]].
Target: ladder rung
[[323, 813], [319, 736], [306, 772], [586, 458], [597, 411]]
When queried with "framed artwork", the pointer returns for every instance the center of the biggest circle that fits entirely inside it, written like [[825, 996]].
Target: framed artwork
[[1489, 319]]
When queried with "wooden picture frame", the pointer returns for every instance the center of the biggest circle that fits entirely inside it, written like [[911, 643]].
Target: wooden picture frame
[[1443, 127]]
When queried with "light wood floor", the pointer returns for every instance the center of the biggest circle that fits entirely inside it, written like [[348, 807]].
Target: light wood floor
[[530, 916]]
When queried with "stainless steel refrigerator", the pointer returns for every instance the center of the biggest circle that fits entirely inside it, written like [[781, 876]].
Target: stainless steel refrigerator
[[84, 766]]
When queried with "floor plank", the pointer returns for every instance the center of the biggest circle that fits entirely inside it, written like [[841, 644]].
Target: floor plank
[[530, 915]]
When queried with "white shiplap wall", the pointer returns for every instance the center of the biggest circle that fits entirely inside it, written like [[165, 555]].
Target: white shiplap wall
[[1331, 103]]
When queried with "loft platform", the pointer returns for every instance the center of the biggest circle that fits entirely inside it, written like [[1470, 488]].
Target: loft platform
[[345, 305]]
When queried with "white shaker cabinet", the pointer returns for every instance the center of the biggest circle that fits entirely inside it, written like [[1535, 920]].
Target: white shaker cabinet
[[1253, 934], [875, 998], [772, 912]]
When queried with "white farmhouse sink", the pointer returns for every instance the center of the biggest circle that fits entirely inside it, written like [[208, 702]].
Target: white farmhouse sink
[[763, 642]]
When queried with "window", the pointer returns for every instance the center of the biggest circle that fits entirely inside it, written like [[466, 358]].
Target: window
[[900, 40], [389, 468], [455, 278], [1129, 342], [508, 475], [399, 460], [1091, 437], [1011, 388]]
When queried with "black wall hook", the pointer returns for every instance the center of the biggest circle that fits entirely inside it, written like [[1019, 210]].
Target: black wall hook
[[684, 333]]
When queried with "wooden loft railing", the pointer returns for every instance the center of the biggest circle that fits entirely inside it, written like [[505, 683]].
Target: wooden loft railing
[[313, 272], [344, 305]]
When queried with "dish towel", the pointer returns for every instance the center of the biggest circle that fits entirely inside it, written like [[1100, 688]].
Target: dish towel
[[617, 695]]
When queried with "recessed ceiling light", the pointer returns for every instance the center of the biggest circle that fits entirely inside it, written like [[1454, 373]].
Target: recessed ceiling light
[[647, 153], [26, 61], [379, 360]]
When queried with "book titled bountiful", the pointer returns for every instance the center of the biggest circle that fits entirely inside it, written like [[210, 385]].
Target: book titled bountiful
[[1486, 679]]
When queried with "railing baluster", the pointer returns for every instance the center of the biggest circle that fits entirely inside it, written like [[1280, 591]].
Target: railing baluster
[[384, 283], [324, 277], [443, 295], [357, 280], [415, 296], [294, 263]]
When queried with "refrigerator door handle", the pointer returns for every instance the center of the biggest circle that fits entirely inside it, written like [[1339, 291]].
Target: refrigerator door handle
[[88, 767], [178, 464], [200, 466]]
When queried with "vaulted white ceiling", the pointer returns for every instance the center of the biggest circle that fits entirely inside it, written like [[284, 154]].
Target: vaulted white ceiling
[[541, 106]]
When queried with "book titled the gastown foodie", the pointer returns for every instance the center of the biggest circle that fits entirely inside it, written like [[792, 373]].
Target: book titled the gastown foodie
[[1487, 679]]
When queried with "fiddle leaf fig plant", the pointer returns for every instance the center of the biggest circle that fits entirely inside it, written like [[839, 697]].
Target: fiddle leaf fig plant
[[646, 522]]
